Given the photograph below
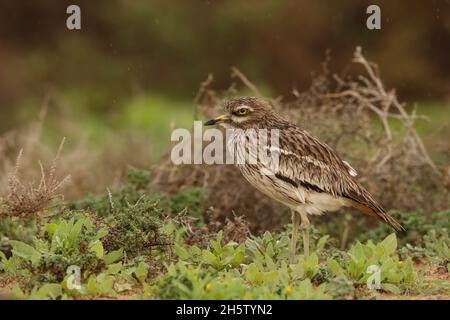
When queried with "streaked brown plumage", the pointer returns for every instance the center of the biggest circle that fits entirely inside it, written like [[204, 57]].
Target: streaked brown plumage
[[311, 177]]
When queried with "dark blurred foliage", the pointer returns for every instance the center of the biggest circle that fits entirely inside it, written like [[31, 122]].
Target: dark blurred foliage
[[128, 47]]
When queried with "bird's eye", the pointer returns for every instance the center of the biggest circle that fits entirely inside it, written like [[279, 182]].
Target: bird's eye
[[241, 112]]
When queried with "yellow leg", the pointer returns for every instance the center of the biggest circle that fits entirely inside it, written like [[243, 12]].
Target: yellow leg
[[295, 224], [305, 231]]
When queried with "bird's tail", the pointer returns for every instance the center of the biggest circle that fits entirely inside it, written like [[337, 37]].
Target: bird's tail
[[381, 215], [362, 200]]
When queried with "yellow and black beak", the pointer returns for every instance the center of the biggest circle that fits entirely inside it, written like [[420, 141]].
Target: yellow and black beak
[[214, 121]]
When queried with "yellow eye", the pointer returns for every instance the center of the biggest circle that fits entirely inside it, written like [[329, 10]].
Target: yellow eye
[[242, 112]]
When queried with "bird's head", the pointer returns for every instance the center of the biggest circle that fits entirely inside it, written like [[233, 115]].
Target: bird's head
[[243, 112]]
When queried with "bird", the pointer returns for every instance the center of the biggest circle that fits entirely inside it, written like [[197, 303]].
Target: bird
[[310, 177]]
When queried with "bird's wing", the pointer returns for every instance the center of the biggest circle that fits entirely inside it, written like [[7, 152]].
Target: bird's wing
[[305, 161]]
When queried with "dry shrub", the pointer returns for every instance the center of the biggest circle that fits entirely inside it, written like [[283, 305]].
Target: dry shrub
[[226, 191], [394, 163], [92, 167], [356, 115], [32, 199], [235, 228]]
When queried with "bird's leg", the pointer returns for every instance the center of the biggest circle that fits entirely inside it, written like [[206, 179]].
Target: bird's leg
[[305, 231], [295, 224]]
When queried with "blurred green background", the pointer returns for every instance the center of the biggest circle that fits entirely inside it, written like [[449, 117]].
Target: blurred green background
[[136, 65]]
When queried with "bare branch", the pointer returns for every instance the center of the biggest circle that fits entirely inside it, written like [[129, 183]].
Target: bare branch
[[235, 72]]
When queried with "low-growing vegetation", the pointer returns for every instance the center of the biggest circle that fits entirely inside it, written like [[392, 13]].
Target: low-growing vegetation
[[130, 243]]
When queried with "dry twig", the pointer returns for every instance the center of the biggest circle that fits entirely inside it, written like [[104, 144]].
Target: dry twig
[[33, 199]]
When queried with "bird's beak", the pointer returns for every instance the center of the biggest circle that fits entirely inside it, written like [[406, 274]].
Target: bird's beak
[[214, 121]]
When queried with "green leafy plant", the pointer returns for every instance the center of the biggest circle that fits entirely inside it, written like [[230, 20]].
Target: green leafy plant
[[216, 255], [65, 243], [416, 224], [182, 281], [394, 274], [435, 248]]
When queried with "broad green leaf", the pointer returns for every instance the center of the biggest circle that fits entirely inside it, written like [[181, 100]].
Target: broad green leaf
[[322, 242], [238, 257], [388, 265], [120, 287], [298, 271], [113, 256], [358, 251], [271, 265], [141, 272], [25, 251], [334, 267], [49, 290], [181, 252], [271, 278], [97, 247], [390, 244], [389, 287], [91, 286], [195, 251], [253, 274], [3, 257], [50, 228], [114, 268], [311, 265], [21, 249], [105, 284], [18, 293], [305, 287], [209, 258], [101, 233], [75, 231], [380, 251]]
